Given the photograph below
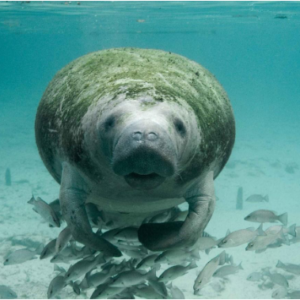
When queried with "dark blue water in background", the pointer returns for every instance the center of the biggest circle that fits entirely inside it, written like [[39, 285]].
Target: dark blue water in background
[[253, 49]]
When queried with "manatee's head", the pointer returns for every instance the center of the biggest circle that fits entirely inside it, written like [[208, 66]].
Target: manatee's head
[[146, 141]]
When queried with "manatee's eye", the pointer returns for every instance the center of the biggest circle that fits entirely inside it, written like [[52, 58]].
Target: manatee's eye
[[109, 123], [180, 127]]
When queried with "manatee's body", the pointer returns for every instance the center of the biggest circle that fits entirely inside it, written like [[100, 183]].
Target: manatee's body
[[136, 132]]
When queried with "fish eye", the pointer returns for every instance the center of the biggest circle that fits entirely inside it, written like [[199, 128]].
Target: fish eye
[[180, 127]]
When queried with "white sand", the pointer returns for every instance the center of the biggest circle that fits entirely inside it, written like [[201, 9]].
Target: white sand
[[257, 164]]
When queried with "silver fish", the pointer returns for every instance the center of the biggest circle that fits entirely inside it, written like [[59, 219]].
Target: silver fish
[[225, 271], [147, 262], [159, 287], [82, 267], [96, 279], [56, 285], [175, 272], [147, 292], [7, 293], [176, 293], [205, 243], [63, 239], [262, 242], [133, 277], [178, 255], [258, 198], [48, 250], [290, 268], [205, 274], [294, 295], [105, 291], [279, 293], [127, 234], [276, 228], [240, 237], [278, 279], [255, 276], [19, 256], [45, 211], [266, 216]]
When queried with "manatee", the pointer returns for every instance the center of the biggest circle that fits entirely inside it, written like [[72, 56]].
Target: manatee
[[135, 132]]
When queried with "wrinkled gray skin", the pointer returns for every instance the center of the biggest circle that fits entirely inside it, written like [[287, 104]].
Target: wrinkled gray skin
[[136, 132]]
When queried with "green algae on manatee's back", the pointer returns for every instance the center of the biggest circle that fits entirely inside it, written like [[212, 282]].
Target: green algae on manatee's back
[[111, 74]]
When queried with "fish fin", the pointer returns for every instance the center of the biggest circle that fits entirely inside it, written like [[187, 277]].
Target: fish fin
[[266, 198], [292, 230], [280, 264], [240, 266], [207, 251], [283, 219], [35, 210], [227, 232], [151, 275], [260, 230], [193, 265], [31, 200]]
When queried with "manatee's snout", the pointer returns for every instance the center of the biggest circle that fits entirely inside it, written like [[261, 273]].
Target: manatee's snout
[[144, 155]]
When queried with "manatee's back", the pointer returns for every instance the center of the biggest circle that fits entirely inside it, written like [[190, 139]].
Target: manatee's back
[[132, 72]]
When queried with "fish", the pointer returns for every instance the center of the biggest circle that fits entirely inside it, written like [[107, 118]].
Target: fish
[[277, 278], [55, 205], [105, 291], [132, 277], [68, 254], [48, 250], [294, 295], [83, 266], [147, 292], [255, 276], [56, 285], [96, 279], [279, 293], [45, 211], [147, 262], [258, 198], [276, 228], [205, 243], [19, 256], [176, 293], [227, 270], [262, 242], [62, 239], [7, 293], [266, 216], [290, 268], [127, 234], [178, 255], [159, 287], [176, 271], [240, 237], [206, 273]]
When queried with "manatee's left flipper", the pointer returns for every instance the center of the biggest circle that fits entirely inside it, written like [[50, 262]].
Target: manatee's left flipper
[[73, 194], [201, 199]]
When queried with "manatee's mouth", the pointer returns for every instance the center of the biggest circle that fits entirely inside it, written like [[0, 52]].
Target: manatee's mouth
[[144, 182]]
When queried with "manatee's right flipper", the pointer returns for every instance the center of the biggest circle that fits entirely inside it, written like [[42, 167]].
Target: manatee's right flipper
[[72, 200]]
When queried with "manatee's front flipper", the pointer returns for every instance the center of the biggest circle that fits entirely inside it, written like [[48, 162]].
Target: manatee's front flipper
[[72, 200], [201, 199]]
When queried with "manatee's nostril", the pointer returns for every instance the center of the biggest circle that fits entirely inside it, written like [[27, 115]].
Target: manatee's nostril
[[137, 135], [152, 136]]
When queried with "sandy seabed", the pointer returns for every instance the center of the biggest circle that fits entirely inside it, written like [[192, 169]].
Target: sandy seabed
[[263, 163]]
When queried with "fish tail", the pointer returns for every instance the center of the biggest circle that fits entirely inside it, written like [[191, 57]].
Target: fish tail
[[266, 198], [283, 219], [292, 230]]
